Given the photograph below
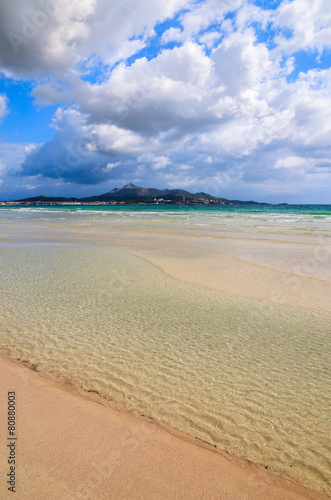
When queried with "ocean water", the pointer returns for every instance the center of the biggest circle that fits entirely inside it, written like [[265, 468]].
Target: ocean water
[[248, 376]]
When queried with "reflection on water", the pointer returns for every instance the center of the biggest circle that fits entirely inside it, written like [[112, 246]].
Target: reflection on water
[[248, 376]]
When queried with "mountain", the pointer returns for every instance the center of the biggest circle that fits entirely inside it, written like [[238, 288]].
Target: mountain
[[131, 194], [135, 194], [46, 199]]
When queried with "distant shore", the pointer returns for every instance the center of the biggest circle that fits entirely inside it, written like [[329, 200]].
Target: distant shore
[[131, 195], [107, 203]]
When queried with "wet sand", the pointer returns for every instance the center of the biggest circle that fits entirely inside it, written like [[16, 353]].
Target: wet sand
[[75, 445]]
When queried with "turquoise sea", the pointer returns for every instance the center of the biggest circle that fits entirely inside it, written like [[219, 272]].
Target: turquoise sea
[[241, 208]]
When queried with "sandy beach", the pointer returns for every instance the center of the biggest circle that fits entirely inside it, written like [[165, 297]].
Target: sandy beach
[[207, 334], [74, 445]]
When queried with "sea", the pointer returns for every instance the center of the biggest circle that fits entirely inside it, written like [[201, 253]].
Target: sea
[[246, 373]]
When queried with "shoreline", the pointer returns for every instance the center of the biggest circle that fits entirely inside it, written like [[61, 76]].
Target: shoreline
[[101, 451]]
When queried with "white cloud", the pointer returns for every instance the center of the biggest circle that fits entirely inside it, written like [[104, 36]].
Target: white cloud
[[172, 35], [305, 165], [290, 161], [29, 148], [111, 166], [210, 38], [252, 62], [184, 64], [113, 140], [310, 23], [3, 106], [204, 14], [12, 156], [49, 37], [160, 162]]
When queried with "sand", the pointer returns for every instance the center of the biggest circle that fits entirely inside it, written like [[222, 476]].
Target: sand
[[75, 445], [280, 273]]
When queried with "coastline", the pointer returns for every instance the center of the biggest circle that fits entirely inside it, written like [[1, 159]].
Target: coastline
[[98, 451]]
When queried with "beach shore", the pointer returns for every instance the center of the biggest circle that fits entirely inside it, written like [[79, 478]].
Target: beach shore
[[71, 444]]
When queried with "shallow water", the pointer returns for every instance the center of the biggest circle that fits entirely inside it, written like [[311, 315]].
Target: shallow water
[[249, 376]]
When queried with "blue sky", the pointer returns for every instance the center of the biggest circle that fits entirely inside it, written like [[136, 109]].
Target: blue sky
[[231, 97]]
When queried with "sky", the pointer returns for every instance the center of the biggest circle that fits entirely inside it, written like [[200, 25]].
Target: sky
[[229, 97]]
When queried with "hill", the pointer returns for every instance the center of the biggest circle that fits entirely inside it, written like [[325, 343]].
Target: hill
[[135, 194], [131, 194]]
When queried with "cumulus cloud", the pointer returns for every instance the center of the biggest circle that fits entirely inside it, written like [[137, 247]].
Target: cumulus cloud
[[172, 35], [207, 13], [209, 101], [72, 155], [46, 37], [12, 155], [253, 66], [41, 36], [310, 24]]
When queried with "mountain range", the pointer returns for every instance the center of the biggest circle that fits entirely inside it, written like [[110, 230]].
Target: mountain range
[[131, 194]]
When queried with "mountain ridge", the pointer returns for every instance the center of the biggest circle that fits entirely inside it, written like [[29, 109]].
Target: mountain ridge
[[132, 194]]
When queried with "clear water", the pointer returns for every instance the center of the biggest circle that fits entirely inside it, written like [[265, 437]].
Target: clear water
[[249, 376]]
